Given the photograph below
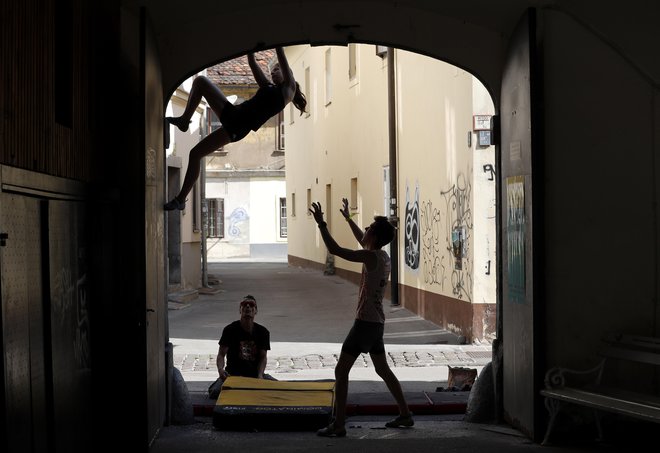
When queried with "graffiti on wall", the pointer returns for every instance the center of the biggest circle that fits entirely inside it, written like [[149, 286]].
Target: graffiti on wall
[[70, 309], [236, 220], [82, 348], [459, 227], [515, 237], [445, 239], [411, 239], [432, 259]]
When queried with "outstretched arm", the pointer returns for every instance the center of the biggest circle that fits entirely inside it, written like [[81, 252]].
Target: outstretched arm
[[361, 256], [258, 74], [287, 73], [357, 231]]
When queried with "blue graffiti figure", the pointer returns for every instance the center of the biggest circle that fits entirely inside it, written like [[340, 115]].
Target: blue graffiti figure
[[237, 216]]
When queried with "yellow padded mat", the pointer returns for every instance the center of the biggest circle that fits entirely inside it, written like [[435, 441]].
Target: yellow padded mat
[[239, 382], [232, 397], [249, 403]]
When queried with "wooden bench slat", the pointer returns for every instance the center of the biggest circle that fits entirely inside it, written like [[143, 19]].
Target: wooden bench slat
[[634, 355], [628, 395], [638, 349], [605, 403], [639, 342]]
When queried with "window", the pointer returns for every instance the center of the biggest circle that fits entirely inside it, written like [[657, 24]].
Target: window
[[328, 77], [354, 194], [328, 202], [216, 219], [283, 229], [280, 131], [196, 207], [307, 90], [309, 201], [381, 51], [63, 48], [213, 124], [352, 61], [213, 120]]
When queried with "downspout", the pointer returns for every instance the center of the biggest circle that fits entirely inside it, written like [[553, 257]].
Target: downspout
[[205, 219], [393, 215]]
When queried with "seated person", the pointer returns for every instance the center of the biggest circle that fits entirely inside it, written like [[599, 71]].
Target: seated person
[[243, 348]]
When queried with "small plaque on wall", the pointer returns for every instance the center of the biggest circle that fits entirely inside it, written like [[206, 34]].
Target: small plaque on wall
[[484, 138], [482, 122]]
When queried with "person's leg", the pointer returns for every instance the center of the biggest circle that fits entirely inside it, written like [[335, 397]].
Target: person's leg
[[210, 143], [201, 86], [383, 369], [343, 368]]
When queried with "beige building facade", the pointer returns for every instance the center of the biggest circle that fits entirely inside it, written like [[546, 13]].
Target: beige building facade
[[445, 199], [245, 185], [184, 227]]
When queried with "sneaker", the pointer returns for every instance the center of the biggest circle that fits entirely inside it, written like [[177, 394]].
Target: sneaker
[[401, 422], [177, 122], [174, 204], [331, 431]]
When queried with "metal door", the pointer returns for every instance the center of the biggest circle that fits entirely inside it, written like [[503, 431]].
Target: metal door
[[154, 232], [519, 225], [24, 364]]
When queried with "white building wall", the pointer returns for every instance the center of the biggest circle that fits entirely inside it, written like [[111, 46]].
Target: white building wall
[[484, 179], [434, 116], [443, 190], [251, 217], [340, 140], [264, 205], [180, 145]]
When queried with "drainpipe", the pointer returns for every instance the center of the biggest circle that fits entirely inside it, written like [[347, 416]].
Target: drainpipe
[[205, 218], [393, 215]]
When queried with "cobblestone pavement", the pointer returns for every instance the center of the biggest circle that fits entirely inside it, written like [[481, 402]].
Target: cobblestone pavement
[[395, 359]]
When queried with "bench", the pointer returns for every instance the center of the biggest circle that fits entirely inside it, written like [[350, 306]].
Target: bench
[[586, 387]]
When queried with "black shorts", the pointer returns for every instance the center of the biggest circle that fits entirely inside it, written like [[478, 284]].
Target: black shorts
[[364, 337], [234, 123]]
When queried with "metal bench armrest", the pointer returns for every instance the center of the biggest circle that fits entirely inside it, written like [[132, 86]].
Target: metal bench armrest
[[557, 377]]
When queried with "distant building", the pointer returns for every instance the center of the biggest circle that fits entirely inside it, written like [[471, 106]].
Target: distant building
[[245, 181], [184, 227], [445, 205]]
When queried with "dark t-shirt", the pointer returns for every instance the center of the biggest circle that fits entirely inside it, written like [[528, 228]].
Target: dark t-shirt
[[238, 120], [244, 347], [266, 103]]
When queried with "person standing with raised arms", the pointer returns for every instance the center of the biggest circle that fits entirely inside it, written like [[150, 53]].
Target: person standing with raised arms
[[366, 335]]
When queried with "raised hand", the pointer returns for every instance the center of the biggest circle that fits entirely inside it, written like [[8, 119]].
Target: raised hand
[[344, 209], [317, 212]]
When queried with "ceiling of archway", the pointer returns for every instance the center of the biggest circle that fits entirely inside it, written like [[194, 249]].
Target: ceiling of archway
[[472, 34]]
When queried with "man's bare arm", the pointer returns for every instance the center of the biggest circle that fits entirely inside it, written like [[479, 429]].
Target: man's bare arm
[[220, 361], [355, 228], [263, 359]]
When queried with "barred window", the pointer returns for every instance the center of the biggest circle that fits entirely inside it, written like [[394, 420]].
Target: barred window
[[216, 217], [280, 131], [283, 230]]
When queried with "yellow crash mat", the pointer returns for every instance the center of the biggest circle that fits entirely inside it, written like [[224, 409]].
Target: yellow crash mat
[[232, 397], [239, 382], [249, 403]]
